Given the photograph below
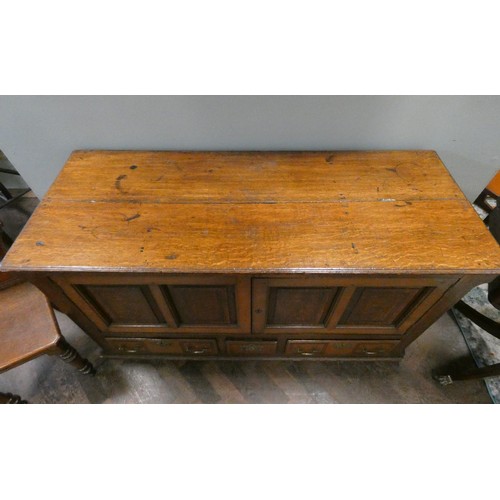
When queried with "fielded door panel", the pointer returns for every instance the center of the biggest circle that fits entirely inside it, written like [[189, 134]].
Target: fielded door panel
[[149, 304], [342, 305], [220, 304]]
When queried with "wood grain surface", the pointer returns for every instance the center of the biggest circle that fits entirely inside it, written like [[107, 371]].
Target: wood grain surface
[[363, 236], [253, 177], [246, 212]]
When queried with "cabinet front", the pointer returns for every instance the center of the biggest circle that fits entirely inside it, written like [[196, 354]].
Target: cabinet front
[[193, 304], [154, 304], [342, 305]]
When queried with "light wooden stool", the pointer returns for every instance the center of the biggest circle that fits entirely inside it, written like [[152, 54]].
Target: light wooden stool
[[28, 329]]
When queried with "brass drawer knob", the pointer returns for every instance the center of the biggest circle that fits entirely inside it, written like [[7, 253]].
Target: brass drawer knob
[[373, 352], [127, 349], [251, 348]]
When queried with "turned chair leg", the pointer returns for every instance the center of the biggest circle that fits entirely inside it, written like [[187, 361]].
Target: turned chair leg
[[9, 398], [69, 354]]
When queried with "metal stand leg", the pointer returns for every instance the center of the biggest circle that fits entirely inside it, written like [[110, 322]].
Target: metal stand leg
[[472, 374], [9, 398], [487, 324]]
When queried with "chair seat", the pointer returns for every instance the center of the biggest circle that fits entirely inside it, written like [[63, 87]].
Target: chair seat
[[27, 325]]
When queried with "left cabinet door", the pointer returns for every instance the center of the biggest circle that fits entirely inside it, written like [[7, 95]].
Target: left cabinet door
[[154, 303]]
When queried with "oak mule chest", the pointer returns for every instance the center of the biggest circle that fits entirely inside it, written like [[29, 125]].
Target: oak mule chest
[[255, 254]]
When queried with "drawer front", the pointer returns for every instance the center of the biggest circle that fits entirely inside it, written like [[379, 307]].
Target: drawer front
[[361, 348], [128, 346], [175, 347], [250, 348], [340, 348], [306, 348], [199, 347]]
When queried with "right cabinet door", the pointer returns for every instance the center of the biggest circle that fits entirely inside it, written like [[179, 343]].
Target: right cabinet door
[[386, 305]]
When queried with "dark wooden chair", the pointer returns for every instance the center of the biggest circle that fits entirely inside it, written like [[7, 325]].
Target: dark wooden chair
[[6, 197], [487, 200], [28, 328]]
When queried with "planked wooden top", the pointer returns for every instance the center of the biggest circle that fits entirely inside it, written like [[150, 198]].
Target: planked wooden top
[[243, 177], [138, 211]]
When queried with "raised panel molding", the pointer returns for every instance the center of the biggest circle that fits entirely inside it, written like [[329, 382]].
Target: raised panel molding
[[300, 306], [202, 305], [123, 304], [120, 305], [331, 305], [374, 306]]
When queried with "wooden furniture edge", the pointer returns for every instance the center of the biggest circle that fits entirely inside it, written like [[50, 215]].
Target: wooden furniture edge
[[61, 302], [447, 301], [451, 296]]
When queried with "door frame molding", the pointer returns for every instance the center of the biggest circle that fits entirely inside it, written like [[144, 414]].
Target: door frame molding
[[69, 283], [348, 285]]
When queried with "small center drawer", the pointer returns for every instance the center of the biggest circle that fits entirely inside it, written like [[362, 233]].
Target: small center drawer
[[340, 348], [251, 348], [178, 347]]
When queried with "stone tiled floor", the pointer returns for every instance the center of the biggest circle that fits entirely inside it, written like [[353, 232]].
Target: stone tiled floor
[[50, 380]]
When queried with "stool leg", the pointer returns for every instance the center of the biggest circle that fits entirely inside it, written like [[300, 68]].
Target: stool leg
[[69, 354], [10, 398]]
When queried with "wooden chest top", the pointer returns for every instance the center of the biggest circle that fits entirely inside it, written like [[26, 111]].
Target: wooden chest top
[[261, 212]]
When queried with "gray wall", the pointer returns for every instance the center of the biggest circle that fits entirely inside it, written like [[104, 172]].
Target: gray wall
[[38, 133]]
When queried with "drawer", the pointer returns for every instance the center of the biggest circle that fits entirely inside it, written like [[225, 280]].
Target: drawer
[[305, 348], [176, 347], [361, 348], [340, 348], [127, 346], [182, 347], [251, 348]]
